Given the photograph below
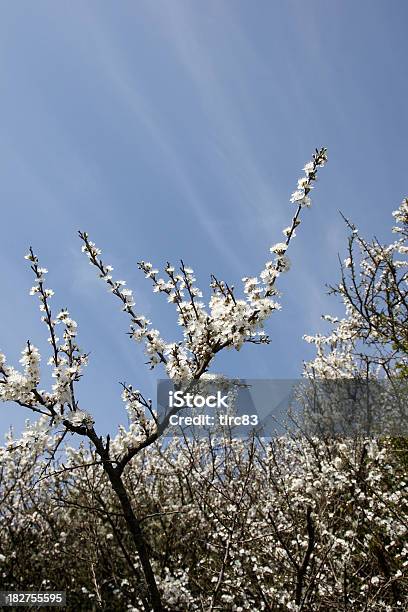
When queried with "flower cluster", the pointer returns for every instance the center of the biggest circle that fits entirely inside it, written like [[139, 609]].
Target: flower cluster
[[67, 360], [401, 216], [140, 328], [80, 418], [265, 288], [141, 424], [21, 386]]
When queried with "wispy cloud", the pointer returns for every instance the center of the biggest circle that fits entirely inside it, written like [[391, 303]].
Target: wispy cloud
[[130, 96], [181, 25]]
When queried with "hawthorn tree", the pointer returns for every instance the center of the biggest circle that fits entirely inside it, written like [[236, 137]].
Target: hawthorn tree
[[299, 522], [369, 344], [374, 292], [228, 322]]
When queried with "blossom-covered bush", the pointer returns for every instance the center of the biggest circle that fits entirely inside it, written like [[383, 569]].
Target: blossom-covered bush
[[285, 524]]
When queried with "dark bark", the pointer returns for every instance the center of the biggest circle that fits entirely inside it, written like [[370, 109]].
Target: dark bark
[[302, 570], [115, 478], [134, 527]]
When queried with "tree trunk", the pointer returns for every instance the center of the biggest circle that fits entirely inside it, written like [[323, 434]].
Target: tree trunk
[[115, 478], [138, 538]]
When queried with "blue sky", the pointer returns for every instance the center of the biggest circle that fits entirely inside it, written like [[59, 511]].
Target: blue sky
[[178, 129]]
